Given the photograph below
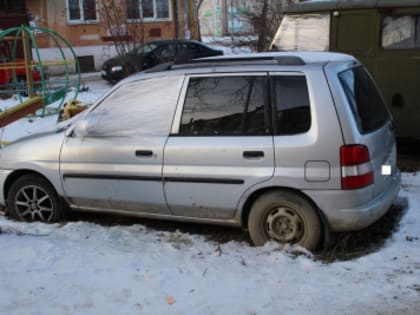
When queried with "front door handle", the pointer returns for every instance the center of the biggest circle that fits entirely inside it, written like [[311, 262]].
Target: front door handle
[[144, 153], [253, 154]]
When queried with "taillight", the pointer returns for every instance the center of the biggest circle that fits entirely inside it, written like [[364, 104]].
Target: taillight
[[356, 170]]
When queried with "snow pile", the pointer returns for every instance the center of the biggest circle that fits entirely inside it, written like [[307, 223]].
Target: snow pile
[[85, 268]]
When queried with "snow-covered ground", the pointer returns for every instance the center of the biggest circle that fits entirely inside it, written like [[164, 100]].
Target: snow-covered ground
[[86, 268]]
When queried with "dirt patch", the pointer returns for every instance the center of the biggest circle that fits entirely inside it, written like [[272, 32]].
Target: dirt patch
[[351, 245]]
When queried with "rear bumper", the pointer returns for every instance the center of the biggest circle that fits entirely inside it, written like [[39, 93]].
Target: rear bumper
[[349, 218]]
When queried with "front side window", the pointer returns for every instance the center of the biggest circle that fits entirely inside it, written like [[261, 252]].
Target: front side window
[[82, 10], [310, 32], [292, 105], [148, 9], [142, 108], [364, 99], [187, 50], [225, 106], [401, 32], [165, 53]]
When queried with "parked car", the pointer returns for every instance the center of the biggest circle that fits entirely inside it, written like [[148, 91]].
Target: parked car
[[286, 145], [152, 54]]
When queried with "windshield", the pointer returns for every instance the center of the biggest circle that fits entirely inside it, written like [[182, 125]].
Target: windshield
[[310, 32]]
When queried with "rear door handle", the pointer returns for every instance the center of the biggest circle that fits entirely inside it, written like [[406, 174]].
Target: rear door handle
[[144, 153], [253, 154]]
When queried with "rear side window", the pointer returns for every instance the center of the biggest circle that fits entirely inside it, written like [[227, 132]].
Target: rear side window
[[365, 101], [401, 32], [292, 105], [225, 106]]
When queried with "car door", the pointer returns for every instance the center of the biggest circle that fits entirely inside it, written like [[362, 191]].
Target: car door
[[220, 146], [113, 158]]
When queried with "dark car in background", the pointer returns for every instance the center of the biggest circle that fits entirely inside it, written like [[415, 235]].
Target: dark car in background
[[153, 53]]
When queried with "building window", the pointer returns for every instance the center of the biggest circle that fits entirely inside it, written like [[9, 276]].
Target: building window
[[148, 10], [82, 11], [12, 6]]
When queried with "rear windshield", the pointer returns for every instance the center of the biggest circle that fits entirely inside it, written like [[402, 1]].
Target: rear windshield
[[365, 100]]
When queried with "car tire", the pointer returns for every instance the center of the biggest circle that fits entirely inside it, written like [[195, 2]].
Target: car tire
[[285, 217], [32, 198]]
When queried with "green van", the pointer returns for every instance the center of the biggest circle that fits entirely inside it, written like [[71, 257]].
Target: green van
[[383, 34]]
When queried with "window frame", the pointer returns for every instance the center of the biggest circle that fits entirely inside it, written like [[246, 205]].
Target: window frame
[[82, 19], [416, 34], [176, 126], [154, 18]]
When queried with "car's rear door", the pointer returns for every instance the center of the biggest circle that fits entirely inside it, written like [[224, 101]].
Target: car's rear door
[[366, 121], [221, 144]]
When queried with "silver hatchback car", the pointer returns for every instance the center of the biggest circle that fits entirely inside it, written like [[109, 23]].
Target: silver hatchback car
[[285, 145]]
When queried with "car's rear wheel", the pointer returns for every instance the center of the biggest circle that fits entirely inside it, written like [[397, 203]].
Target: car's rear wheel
[[32, 198], [285, 217]]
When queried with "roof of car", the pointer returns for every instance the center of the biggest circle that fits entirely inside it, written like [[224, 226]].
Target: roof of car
[[245, 62], [327, 5], [169, 40]]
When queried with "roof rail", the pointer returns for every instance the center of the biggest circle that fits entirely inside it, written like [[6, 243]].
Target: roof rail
[[253, 60], [229, 61]]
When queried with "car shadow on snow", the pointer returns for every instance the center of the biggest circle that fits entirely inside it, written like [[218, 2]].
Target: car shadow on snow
[[343, 246]]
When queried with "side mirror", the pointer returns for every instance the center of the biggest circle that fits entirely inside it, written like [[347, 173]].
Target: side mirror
[[84, 127]]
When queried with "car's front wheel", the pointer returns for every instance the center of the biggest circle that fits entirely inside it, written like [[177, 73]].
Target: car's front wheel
[[32, 198], [285, 217]]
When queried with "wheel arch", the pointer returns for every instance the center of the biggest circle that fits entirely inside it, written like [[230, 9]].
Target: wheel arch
[[15, 175], [246, 208]]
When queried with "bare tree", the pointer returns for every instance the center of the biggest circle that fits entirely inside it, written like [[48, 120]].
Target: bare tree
[[264, 17], [123, 24], [197, 8]]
